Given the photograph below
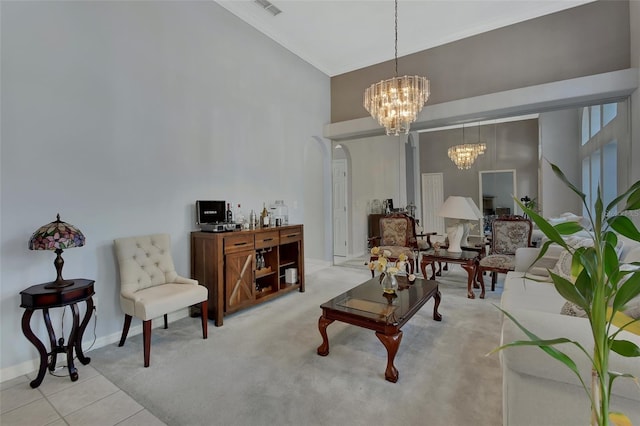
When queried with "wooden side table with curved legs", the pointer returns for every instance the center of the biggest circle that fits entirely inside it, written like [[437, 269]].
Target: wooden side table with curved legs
[[39, 297], [468, 259]]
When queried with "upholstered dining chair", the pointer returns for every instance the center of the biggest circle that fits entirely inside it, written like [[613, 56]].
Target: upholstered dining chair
[[508, 233], [150, 286], [397, 236]]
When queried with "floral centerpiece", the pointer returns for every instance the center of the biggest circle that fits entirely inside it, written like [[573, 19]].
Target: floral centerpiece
[[388, 269]]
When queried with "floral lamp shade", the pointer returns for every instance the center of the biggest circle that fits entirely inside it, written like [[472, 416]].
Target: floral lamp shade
[[57, 236]]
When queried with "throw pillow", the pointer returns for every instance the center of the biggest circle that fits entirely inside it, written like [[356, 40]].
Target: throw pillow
[[563, 266], [547, 262], [573, 310]]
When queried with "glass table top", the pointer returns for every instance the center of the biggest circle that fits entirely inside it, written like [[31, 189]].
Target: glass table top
[[369, 301]]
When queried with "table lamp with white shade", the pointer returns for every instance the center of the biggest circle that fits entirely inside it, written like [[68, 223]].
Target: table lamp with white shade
[[463, 209]]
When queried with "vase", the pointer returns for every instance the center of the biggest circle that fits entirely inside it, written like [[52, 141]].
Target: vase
[[389, 283]]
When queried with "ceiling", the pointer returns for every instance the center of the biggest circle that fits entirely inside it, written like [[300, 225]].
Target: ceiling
[[342, 36]]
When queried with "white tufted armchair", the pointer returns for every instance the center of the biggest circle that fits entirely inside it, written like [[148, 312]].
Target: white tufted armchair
[[150, 286]]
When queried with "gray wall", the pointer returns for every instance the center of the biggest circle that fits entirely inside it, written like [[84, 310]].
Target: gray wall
[[510, 145], [119, 115], [555, 47]]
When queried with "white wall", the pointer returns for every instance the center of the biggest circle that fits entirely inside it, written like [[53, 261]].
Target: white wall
[[559, 143], [375, 174], [634, 16], [119, 115]]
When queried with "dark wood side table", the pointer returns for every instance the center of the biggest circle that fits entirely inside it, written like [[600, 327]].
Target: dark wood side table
[[39, 297], [468, 259]]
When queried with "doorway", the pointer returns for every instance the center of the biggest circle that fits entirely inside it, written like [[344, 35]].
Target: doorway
[[339, 173]]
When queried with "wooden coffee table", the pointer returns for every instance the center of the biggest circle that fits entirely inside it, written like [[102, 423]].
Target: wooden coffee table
[[369, 307], [467, 258]]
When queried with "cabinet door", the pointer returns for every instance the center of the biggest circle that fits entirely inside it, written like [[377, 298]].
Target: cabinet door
[[239, 287]]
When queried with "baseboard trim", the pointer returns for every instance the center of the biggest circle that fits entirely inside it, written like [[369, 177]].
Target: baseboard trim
[[27, 367]]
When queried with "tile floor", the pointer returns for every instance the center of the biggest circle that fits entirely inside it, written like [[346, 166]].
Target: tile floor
[[91, 400]]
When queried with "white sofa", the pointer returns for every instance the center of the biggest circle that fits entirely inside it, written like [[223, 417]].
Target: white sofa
[[537, 389]]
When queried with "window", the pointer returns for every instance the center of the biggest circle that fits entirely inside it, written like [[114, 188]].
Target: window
[[585, 125], [599, 154], [610, 177], [595, 120], [609, 112]]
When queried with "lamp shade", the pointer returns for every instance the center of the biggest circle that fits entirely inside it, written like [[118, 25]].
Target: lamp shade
[[457, 207], [56, 236], [475, 208]]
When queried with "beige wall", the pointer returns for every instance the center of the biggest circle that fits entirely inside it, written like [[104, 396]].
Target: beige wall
[[555, 47]]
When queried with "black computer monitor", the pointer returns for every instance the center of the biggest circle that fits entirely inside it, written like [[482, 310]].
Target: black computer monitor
[[210, 211]]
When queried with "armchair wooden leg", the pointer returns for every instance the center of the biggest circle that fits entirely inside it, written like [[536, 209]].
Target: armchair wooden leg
[[165, 322], [146, 337], [125, 329], [203, 309], [494, 279]]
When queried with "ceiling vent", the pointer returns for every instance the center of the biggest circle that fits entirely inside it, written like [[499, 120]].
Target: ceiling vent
[[268, 6]]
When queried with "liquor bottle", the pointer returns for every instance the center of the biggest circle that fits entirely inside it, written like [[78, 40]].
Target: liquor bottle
[[264, 216], [239, 215], [229, 214], [252, 219]]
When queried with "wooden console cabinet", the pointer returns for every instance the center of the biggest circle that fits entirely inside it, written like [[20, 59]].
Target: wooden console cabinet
[[225, 263]]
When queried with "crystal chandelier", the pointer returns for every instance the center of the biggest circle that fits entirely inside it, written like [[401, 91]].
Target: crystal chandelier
[[396, 102], [465, 155]]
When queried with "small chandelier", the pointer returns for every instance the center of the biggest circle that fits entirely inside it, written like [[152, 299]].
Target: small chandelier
[[396, 102], [465, 155]]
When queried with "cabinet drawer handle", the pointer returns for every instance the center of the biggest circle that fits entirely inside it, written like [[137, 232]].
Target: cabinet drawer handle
[[268, 239], [240, 244], [292, 235]]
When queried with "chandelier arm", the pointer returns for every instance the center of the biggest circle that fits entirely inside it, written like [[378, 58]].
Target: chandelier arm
[[396, 36]]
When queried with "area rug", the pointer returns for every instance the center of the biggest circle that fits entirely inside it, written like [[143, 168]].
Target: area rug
[[261, 366]]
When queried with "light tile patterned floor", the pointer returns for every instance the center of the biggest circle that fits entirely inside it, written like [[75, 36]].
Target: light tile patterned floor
[[92, 400]]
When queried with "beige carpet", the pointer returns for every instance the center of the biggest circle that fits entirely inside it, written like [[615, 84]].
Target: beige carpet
[[261, 367]]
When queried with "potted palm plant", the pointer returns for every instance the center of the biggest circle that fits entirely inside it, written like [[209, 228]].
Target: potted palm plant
[[602, 289]]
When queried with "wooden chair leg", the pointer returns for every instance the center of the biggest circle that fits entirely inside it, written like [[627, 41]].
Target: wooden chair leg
[[204, 310], [125, 329], [146, 337], [165, 322], [494, 279]]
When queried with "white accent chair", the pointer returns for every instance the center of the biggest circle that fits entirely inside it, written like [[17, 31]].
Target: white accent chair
[[150, 286]]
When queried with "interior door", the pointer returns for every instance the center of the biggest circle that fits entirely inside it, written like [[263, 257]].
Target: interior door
[[340, 207], [432, 199]]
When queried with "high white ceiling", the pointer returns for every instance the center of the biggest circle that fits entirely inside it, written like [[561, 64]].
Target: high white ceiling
[[342, 36]]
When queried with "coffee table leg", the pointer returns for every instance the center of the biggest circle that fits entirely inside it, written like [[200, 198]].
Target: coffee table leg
[[391, 342], [323, 323], [436, 298]]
